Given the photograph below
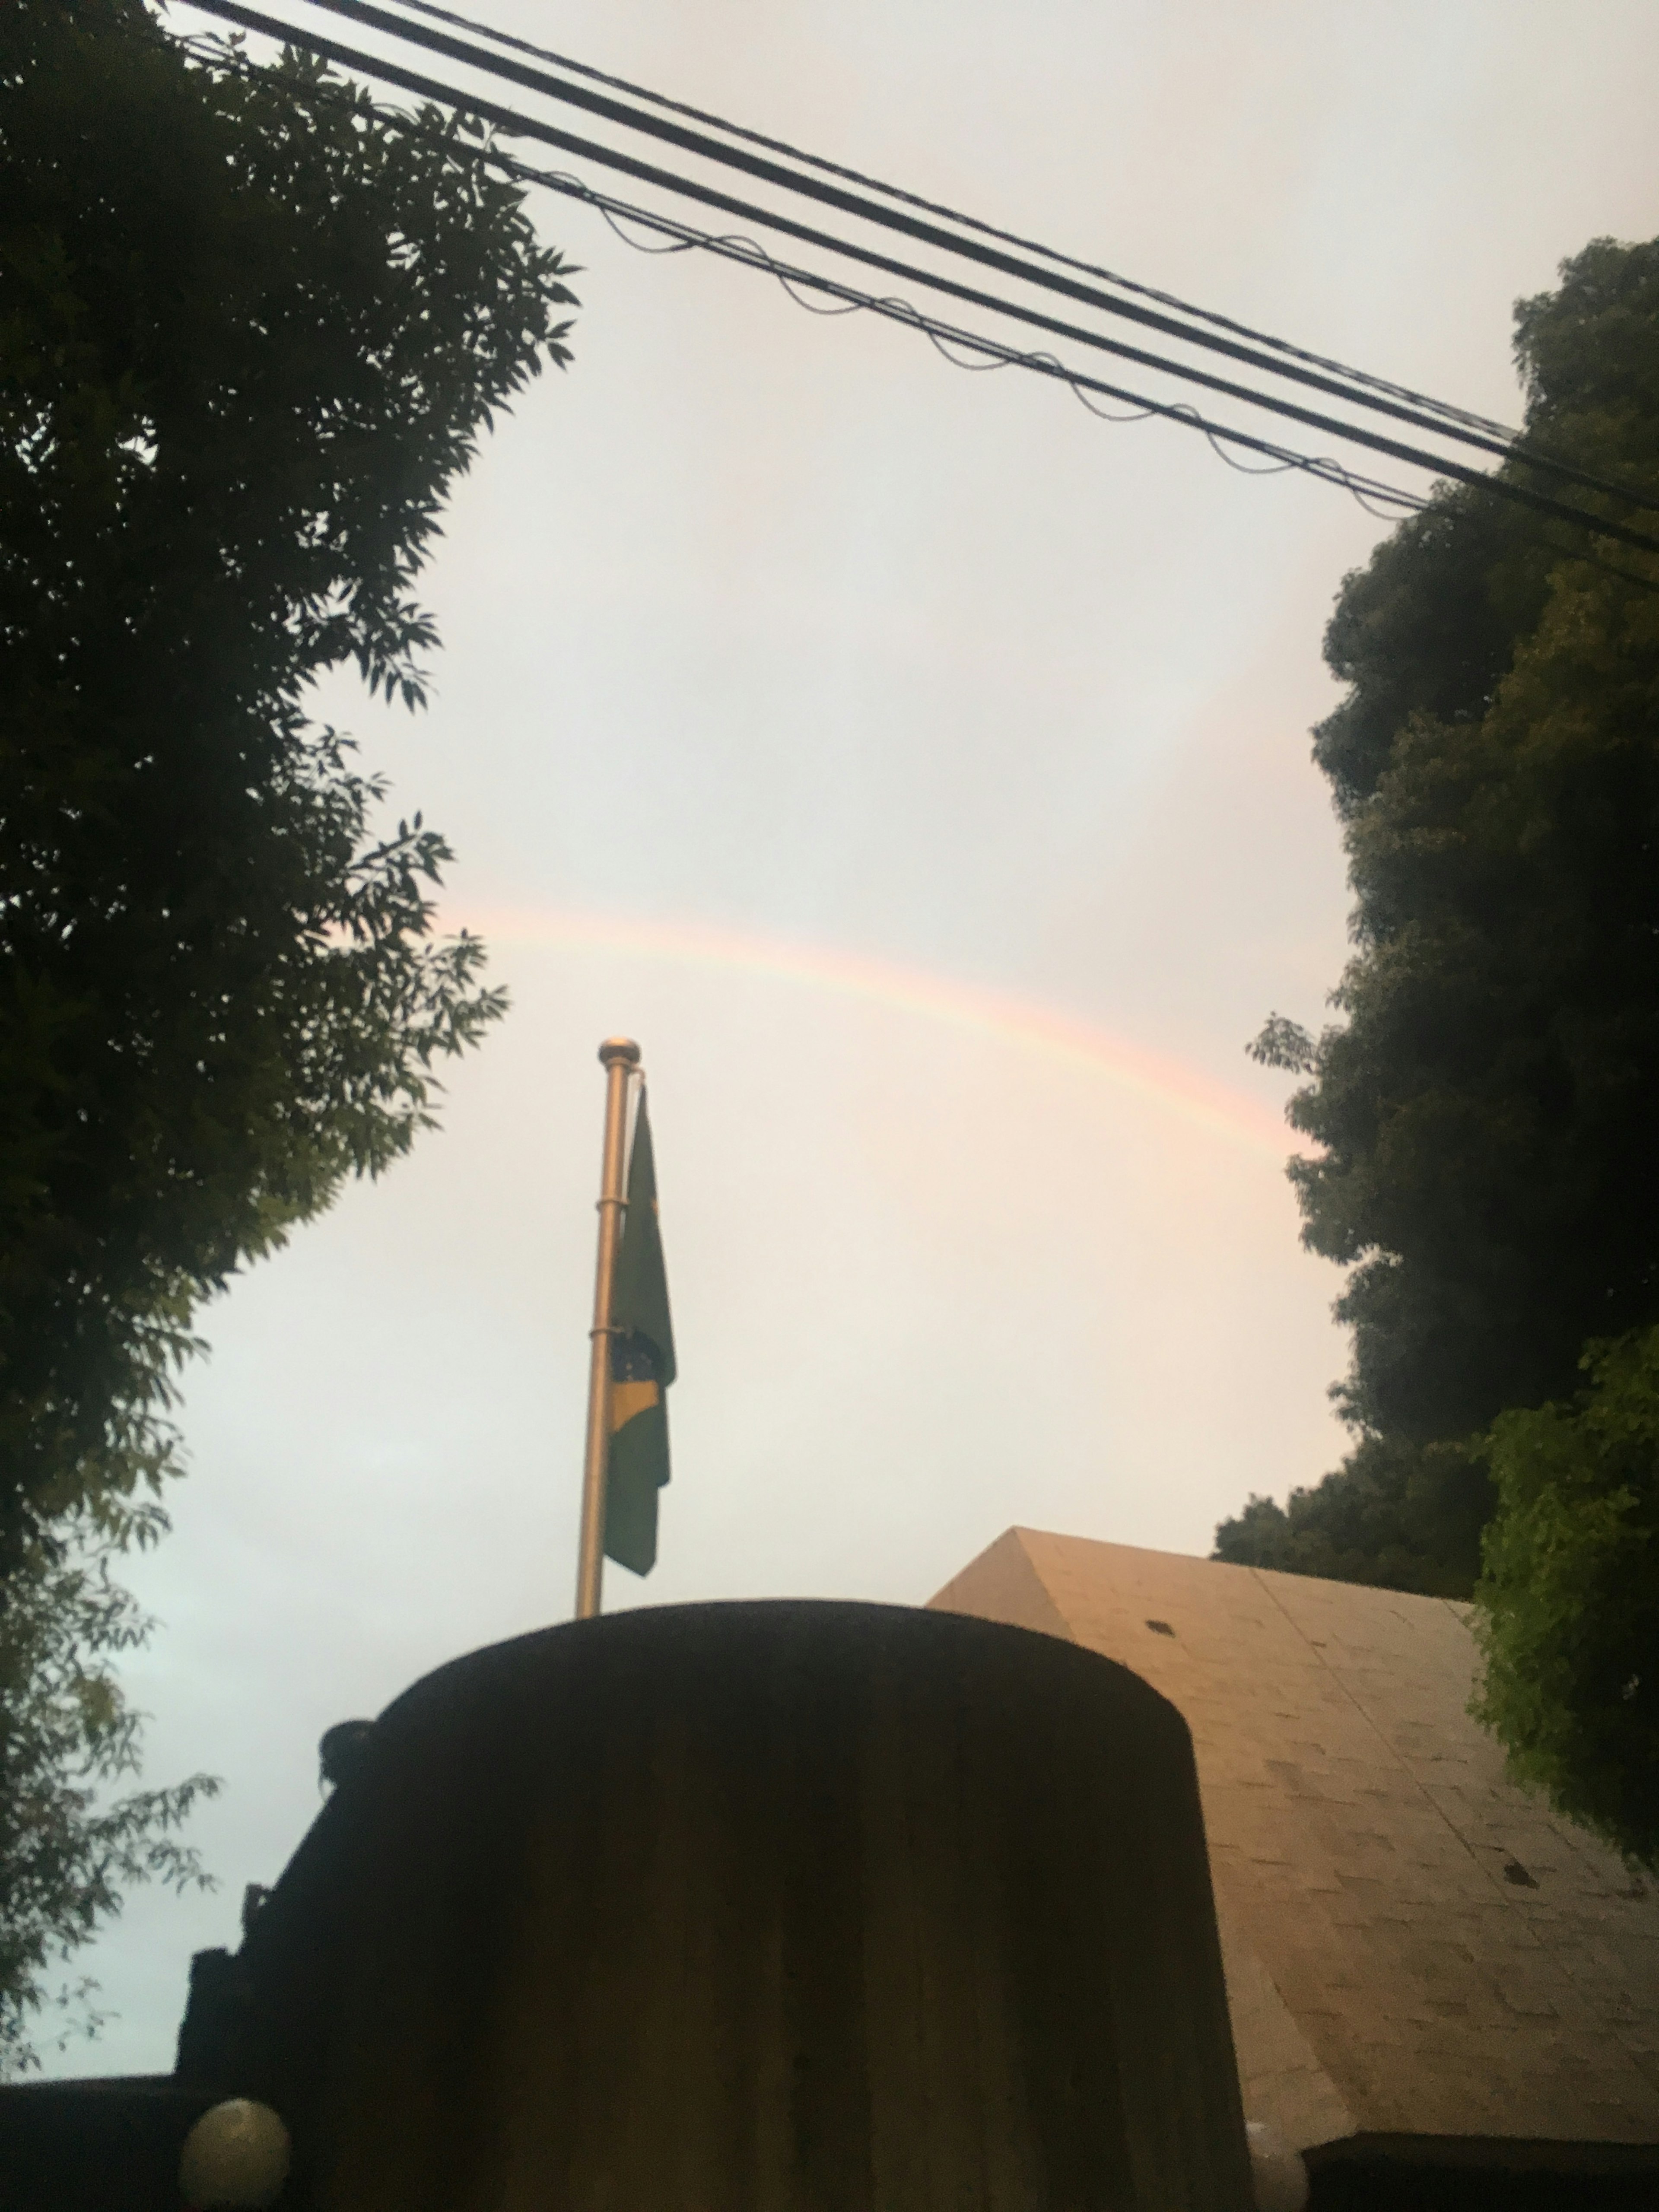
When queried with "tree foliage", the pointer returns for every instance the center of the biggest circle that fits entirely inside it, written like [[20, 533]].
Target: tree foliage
[[251, 329], [1401, 1515], [1482, 1110], [1569, 1618], [68, 1848]]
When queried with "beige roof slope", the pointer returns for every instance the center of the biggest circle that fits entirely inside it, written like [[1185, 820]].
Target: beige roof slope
[[1414, 1948]]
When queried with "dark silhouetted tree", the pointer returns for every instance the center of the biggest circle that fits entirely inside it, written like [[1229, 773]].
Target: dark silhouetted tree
[[1482, 1109], [251, 328], [1568, 1600]]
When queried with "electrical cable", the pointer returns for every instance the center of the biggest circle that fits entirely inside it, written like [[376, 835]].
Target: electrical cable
[[1504, 445], [682, 237], [515, 122], [948, 340], [944, 336], [1385, 501], [952, 215]]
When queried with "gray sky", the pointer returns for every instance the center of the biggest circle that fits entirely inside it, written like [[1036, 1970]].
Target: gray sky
[[920, 769]]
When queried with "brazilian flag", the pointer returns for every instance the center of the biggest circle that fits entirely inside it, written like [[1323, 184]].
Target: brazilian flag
[[642, 1369]]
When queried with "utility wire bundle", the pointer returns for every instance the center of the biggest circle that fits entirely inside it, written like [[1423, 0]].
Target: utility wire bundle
[[1533, 479]]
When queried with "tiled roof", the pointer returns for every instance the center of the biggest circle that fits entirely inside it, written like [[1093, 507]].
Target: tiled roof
[[1414, 1947]]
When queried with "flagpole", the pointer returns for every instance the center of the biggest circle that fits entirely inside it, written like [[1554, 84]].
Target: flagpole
[[619, 1056]]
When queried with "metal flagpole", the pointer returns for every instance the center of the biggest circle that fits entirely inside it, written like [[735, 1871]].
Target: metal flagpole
[[620, 1056]]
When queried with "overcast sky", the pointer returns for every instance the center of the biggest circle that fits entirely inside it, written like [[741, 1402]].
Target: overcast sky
[[919, 769]]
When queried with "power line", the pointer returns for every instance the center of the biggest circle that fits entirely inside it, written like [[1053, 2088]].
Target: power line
[[1502, 444], [993, 353], [682, 237], [513, 122], [749, 253], [971, 222]]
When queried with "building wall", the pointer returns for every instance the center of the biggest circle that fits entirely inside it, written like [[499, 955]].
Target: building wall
[[1414, 1947]]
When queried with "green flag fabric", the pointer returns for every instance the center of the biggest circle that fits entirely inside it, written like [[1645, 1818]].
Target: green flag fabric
[[642, 1369]]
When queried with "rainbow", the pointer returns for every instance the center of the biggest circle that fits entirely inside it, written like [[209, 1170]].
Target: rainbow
[[1164, 1082]]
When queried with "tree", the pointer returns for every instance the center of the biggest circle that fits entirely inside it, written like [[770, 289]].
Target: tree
[[67, 1851], [1568, 1600], [251, 328], [1401, 1515], [1483, 1109]]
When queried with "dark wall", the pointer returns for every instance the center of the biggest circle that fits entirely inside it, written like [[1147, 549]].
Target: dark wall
[[771, 1907], [1381, 2184], [94, 2146]]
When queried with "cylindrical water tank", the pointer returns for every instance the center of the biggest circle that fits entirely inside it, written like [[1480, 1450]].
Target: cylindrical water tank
[[779, 1907]]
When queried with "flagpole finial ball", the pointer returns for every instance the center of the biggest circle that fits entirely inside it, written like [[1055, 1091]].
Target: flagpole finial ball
[[619, 1049]]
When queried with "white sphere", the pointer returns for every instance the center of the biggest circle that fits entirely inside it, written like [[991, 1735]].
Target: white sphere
[[235, 2154], [1279, 2173]]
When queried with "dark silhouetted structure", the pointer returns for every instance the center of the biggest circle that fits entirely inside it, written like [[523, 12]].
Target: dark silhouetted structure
[[1441, 1994], [778, 1905]]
